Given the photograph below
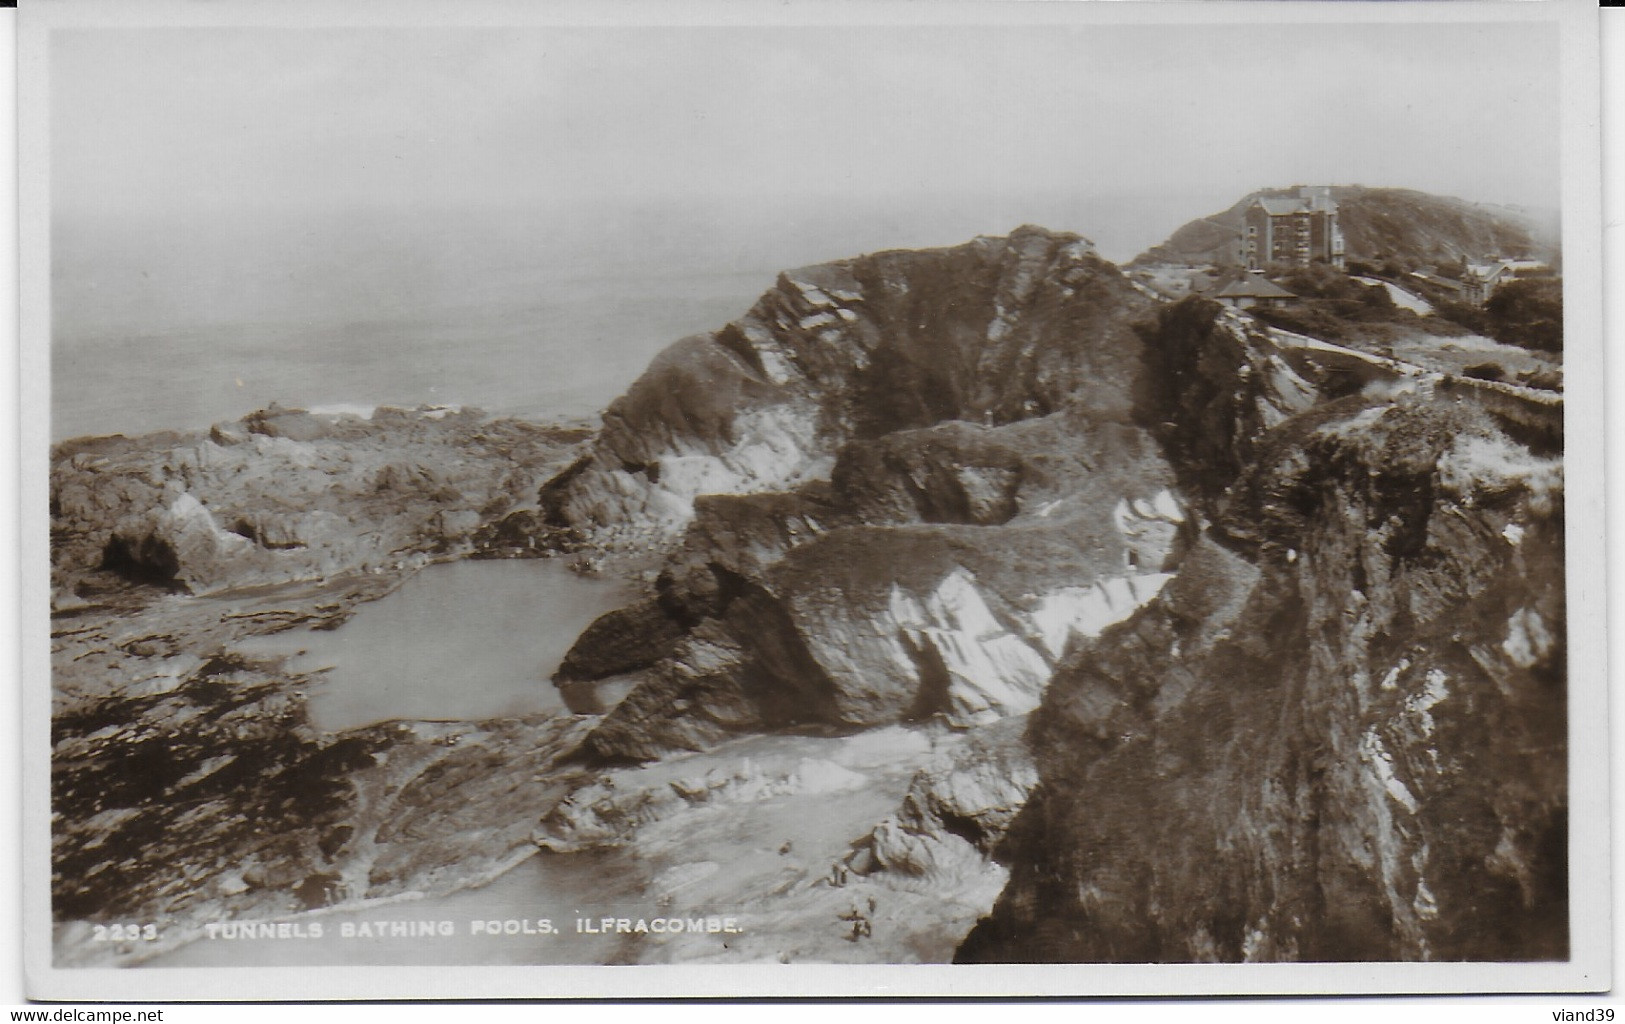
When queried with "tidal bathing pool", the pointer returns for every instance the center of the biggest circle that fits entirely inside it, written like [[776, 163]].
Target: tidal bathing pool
[[459, 641], [463, 640]]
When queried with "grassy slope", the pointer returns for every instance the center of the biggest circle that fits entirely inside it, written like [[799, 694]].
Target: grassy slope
[[1377, 222]]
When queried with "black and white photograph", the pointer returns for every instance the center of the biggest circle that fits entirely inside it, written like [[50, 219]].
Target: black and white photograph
[[536, 499]]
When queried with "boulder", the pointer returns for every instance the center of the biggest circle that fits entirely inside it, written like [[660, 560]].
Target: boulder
[[179, 545]]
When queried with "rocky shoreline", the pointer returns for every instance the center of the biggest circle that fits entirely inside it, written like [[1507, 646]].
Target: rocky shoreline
[[974, 485], [190, 788], [958, 566], [188, 783]]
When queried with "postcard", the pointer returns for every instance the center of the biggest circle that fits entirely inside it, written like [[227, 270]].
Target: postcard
[[537, 500]]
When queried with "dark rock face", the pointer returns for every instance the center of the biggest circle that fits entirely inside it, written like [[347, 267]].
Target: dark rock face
[[1331, 726], [298, 425], [1213, 384], [187, 784], [973, 490], [992, 332], [208, 795], [1348, 714]]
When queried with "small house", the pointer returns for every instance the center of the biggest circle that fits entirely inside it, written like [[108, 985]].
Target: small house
[[1481, 279], [1253, 290]]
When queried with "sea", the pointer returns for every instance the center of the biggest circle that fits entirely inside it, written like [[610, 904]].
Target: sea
[[179, 319]]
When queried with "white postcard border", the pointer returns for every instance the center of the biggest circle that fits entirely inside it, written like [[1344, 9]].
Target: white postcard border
[[1590, 899]]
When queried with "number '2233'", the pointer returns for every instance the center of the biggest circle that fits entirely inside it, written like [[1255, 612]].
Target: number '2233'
[[124, 932]]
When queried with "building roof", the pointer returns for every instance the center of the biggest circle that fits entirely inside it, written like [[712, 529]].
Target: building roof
[[1488, 271], [1254, 286], [1281, 206], [1435, 279]]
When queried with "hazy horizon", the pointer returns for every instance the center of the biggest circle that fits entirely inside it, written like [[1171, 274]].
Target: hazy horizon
[[165, 119], [341, 181]]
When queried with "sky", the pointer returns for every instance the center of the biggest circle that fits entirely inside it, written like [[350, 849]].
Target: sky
[[235, 191], [162, 122]]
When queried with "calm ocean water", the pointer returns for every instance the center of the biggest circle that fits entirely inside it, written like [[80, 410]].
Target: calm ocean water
[[202, 316], [563, 357]]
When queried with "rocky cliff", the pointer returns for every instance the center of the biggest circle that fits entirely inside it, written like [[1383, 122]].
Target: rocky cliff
[[1250, 670], [992, 332], [1377, 223], [1347, 713], [970, 493], [974, 575]]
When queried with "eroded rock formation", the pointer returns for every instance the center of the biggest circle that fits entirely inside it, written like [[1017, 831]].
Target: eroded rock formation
[[969, 571], [1347, 714], [288, 495], [1290, 657], [972, 492], [992, 332]]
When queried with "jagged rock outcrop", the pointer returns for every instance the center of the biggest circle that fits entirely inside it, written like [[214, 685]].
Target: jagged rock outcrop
[[613, 809], [1214, 383], [998, 330], [957, 809], [1323, 716], [295, 425], [944, 569], [1347, 712], [287, 494], [985, 497]]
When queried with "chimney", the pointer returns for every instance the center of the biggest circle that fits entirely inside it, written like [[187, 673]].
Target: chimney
[[1319, 196]]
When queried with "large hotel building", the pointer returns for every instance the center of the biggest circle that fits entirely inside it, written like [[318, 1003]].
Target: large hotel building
[[1296, 230]]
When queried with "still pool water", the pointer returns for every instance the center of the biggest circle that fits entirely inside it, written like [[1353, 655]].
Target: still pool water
[[458, 641]]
